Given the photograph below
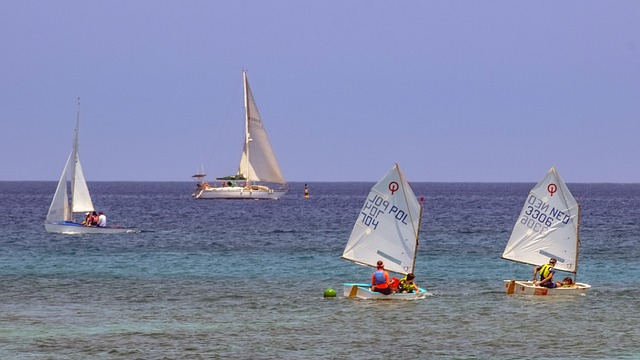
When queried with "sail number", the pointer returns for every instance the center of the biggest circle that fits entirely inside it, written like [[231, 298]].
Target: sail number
[[375, 206], [539, 217]]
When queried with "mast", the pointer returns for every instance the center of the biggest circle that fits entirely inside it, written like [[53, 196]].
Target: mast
[[415, 252], [575, 274], [247, 135], [404, 193], [74, 157]]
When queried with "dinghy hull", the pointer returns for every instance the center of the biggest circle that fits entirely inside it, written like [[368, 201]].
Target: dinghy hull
[[361, 291], [68, 227], [522, 287]]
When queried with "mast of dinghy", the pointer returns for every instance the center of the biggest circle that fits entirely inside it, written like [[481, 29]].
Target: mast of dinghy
[[417, 232], [575, 274], [415, 252]]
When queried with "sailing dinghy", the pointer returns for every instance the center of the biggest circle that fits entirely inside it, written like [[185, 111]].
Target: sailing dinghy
[[258, 168], [548, 227], [60, 216], [387, 229]]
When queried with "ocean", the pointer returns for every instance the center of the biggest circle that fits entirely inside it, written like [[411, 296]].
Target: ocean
[[214, 279]]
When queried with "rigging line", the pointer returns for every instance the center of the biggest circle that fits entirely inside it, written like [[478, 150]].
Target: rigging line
[[224, 129]]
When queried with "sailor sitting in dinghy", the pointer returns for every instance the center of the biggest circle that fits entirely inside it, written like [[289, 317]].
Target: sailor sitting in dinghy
[[566, 283], [407, 285], [546, 274], [380, 280]]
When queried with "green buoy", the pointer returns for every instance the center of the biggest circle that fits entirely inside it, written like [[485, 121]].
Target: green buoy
[[329, 293]]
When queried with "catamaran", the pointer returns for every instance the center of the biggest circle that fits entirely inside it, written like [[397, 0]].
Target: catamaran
[[387, 229], [60, 216], [548, 227], [258, 166]]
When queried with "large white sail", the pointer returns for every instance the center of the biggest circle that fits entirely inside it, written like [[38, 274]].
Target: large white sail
[[258, 161], [81, 197], [387, 227], [59, 209], [547, 226]]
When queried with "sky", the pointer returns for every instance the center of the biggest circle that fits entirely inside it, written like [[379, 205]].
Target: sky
[[453, 91]]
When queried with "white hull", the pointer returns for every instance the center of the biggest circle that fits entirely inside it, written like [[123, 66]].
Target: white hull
[[362, 291], [237, 192], [521, 287], [68, 227]]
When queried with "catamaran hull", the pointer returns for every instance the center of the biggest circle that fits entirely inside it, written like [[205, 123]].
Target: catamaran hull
[[68, 227], [527, 288], [361, 291], [239, 193]]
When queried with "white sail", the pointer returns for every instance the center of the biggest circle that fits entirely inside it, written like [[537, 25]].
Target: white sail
[[547, 226], [258, 161], [59, 209], [81, 197], [387, 227]]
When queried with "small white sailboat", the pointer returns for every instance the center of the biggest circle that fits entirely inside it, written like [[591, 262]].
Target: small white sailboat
[[258, 168], [387, 229], [548, 227], [60, 216]]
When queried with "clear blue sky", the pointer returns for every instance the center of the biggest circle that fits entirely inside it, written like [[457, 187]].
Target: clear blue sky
[[451, 90]]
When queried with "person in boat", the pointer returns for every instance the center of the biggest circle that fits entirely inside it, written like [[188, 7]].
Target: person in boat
[[407, 285], [87, 219], [380, 280], [93, 219], [102, 219], [546, 272], [565, 283]]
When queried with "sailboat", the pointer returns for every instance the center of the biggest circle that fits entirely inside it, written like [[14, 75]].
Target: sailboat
[[60, 216], [387, 229], [548, 227], [258, 165]]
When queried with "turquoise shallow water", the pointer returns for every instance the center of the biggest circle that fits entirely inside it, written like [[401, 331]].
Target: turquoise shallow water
[[225, 279]]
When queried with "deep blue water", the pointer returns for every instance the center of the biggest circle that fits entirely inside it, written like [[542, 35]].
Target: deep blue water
[[245, 279]]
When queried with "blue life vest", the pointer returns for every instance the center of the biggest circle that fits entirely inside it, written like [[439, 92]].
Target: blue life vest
[[379, 277]]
